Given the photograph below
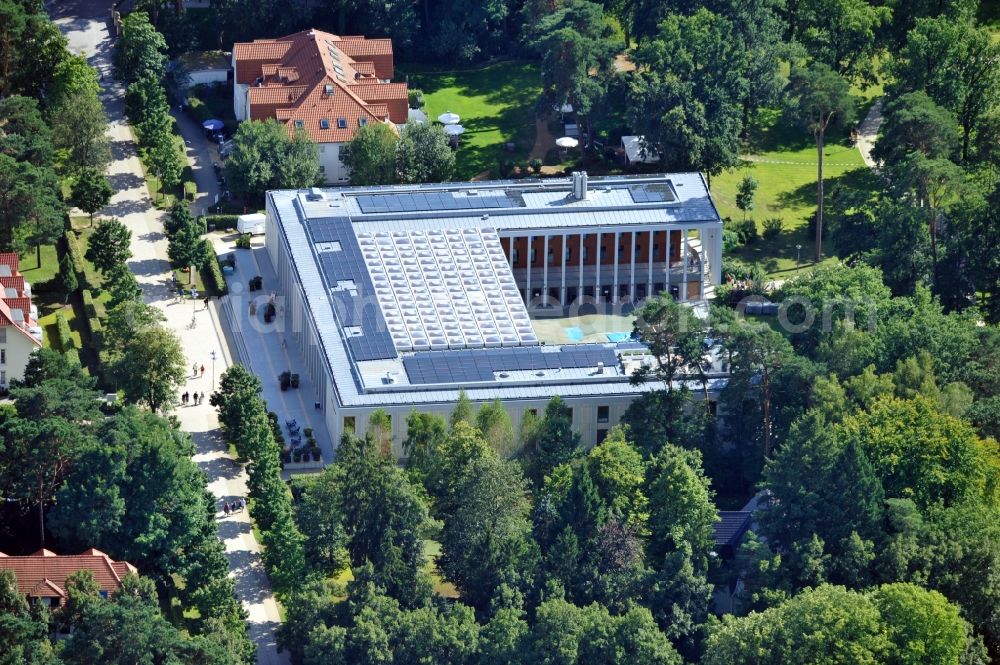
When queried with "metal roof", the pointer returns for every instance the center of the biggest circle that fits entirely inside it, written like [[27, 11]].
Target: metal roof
[[328, 235]]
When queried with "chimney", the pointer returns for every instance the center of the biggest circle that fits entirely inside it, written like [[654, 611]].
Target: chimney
[[579, 185]]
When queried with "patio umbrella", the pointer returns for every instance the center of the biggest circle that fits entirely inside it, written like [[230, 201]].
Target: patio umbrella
[[454, 130], [213, 125], [567, 142], [449, 118]]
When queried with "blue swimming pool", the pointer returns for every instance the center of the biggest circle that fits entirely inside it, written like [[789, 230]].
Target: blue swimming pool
[[574, 334], [619, 337]]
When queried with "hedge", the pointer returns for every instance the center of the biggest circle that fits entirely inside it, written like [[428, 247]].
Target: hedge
[[222, 222], [64, 333], [93, 320], [76, 257], [211, 273]]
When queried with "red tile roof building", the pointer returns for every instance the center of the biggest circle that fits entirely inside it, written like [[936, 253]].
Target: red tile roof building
[[20, 333], [324, 84], [44, 573]]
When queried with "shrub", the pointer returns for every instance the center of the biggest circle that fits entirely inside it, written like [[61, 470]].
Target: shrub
[[94, 326], [730, 240], [415, 98], [221, 222], [211, 271], [190, 189], [76, 257], [536, 165], [772, 227], [307, 432], [64, 333], [746, 230]]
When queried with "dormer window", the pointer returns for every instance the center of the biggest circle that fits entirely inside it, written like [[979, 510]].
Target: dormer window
[[342, 123], [362, 121], [324, 123], [300, 124], [328, 89]]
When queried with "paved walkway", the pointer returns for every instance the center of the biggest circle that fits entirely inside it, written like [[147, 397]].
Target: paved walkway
[[270, 349], [868, 133], [198, 327]]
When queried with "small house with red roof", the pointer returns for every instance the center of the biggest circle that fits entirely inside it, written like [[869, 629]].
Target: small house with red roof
[[20, 333], [42, 576], [324, 84]]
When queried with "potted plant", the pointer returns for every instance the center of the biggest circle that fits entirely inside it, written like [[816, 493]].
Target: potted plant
[[316, 454], [307, 432], [286, 456], [295, 380], [297, 456]]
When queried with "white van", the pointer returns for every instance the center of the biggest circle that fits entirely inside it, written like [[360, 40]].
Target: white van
[[252, 224]]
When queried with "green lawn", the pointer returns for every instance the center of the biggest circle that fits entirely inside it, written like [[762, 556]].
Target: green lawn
[[496, 104], [783, 159]]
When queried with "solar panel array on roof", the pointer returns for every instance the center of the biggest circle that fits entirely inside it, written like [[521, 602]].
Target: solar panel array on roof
[[467, 366], [657, 193], [430, 200], [350, 289]]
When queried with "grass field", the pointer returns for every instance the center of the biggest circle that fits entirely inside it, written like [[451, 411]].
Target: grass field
[[496, 104], [783, 159]]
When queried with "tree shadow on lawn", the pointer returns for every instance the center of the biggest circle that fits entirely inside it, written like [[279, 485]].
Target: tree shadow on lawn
[[855, 186], [774, 131]]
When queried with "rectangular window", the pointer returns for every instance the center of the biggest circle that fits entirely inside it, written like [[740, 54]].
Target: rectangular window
[[324, 123], [569, 253], [586, 253], [533, 412], [516, 256], [569, 412], [602, 434], [638, 250], [3, 356], [603, 414], [362, 121], [328, 89], [713, 407], [300, 124], [621, 251], [533, 252], [342, 123], [349, 425]]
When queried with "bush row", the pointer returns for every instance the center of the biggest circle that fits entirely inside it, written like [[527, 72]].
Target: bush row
[[76, 258], [64, 333], [211, 274], [219, 222], [93, 319]]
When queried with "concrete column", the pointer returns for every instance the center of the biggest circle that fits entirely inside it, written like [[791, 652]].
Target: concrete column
[[614, 280], [579, 293], [545, 269], [649, 270], [527, 286], [631, 273], [701, 264], [684, 260], [562, 276], [597, 273], [666, 255]]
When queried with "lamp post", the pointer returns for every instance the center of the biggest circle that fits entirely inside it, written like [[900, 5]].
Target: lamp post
[[798, 255], [212, 356]]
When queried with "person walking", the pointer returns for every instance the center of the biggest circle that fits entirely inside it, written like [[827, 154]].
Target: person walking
[[225, 508], [203, 370], [243, 504], [194, 369]]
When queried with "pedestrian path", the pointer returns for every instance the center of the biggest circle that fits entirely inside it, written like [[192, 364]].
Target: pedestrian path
[[197, 326], [868, 133]]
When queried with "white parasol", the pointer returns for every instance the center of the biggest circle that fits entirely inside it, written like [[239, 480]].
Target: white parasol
[[449, 118], [567, 142], [454, 130]]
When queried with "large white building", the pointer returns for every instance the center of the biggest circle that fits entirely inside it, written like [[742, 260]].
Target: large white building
[[324, 84], [401, 296], [20, 333]]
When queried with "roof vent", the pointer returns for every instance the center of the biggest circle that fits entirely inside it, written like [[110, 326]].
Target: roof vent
[[600, 367], [579, 179], [316, 194]]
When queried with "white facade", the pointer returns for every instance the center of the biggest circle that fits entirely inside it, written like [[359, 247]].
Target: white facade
[[331, 168], [302, 226], [16, 347], [207, 76]]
